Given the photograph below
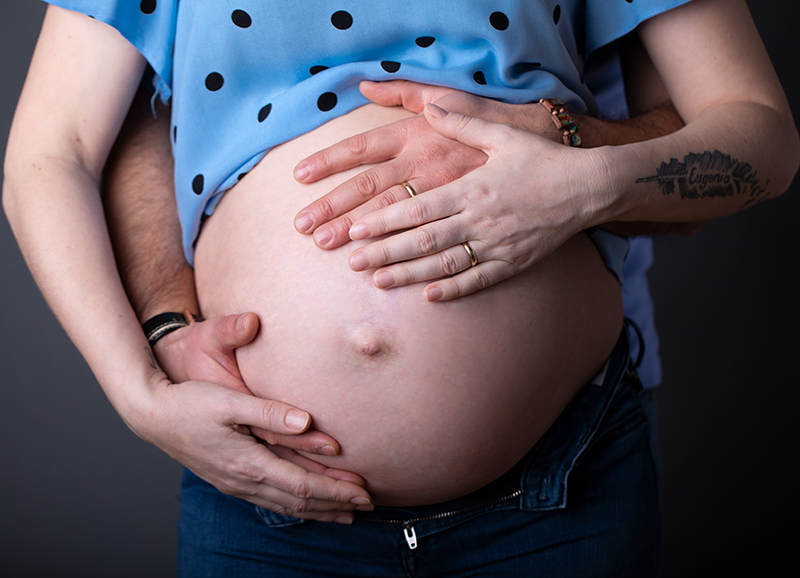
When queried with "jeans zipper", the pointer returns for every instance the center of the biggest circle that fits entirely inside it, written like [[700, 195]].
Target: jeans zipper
[[408, 524]]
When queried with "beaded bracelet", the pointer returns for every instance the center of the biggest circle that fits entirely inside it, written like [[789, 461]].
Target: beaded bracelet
[[563, 120]]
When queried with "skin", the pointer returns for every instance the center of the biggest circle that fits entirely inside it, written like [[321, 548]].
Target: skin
[[43, 157], [428, 401]]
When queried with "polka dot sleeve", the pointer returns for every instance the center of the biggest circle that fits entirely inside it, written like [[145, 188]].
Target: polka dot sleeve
[[149, 25], [608, 20]]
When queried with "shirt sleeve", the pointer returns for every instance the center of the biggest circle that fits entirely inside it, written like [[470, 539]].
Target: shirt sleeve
[[149, 25], [608, 20]]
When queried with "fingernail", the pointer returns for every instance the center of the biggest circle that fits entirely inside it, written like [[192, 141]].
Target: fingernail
[[384, 279], [240, 322], [326, 450], [304, 222], [433, 294], [296, 419], [344, 520], [358, 232], [435, 111], [301, 172], [360, 501], [358, 261], [323, 236]]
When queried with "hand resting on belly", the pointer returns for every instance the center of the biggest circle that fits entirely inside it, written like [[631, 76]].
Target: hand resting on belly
[[429, 401]]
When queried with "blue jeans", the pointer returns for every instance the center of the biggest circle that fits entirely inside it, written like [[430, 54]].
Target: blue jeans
[[583, 502]]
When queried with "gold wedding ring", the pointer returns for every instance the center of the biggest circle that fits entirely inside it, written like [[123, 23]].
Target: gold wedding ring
[[409, 188], [473, 258]]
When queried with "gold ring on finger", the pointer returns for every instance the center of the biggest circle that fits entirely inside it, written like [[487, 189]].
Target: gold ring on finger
[[473, 258], [409, 188]]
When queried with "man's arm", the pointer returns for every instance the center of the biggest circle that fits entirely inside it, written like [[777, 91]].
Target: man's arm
[[142, 218]]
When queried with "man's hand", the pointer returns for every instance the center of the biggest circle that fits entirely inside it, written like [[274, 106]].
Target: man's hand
[[205, 351]]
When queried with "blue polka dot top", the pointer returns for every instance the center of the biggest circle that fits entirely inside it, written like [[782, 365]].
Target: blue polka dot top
[[247, 75]]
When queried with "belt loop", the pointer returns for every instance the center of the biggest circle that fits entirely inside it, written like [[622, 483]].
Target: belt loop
[[630, 323]]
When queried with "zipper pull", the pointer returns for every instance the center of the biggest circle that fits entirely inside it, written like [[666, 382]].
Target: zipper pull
[[411, 535]]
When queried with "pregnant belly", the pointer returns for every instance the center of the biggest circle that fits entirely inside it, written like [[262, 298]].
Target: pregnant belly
[[429, 401]]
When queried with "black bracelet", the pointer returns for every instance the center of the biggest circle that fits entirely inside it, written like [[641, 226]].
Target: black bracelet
[[165, 323]]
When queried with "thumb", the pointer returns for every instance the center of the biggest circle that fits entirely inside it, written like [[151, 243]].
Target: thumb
[[229, 332], [475, 132]]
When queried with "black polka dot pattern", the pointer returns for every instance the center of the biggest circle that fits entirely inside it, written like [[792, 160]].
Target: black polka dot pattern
[[425, 41], [327, 101], [174, 134], [523, 67], [241, 19], [264, 113], [557, 13], [241, 176], [498, 20], [197, 184], [390, 66], [148, 6], [317, 69], [214, 81], [479, 77], [342, 20]]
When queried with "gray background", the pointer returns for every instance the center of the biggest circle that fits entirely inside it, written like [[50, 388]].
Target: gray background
[[80, 495]]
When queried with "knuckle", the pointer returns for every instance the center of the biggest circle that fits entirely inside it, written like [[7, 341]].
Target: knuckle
[[282, 510], [481, 280], [326, 208], [357, 146], [365, 184], [383, 201], [299, 487], [426, 241], [417, 213], [270, 414], [449, 264], [384, 255]]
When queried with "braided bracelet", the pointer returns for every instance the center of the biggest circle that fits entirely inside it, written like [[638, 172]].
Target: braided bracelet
[[165, 323], [563, 121]]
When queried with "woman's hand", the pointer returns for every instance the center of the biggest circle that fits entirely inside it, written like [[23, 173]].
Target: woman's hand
[[530, 197], [407, 150], [199, 424]]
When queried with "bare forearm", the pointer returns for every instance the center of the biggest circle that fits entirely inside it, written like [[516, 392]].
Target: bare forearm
[[142, 216], [727, 159]]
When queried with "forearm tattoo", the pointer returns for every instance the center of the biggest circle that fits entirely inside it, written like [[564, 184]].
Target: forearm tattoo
[[153, 362], [710, 175]]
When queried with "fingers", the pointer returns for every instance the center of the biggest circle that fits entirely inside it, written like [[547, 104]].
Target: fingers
[[410, 95], [288, 488], [317, 468], [477, 133], [272, 416], [311, 441], [443, 264], [351, 194], [470, 281], [336, 232], [370, 147]]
